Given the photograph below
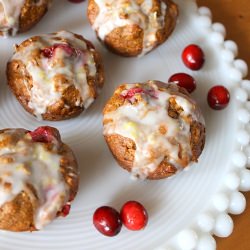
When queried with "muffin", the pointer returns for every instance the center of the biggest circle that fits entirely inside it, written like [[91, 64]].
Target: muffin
[[153, 129], [55, 76], [39, 178], [18, 16], [132, 27]]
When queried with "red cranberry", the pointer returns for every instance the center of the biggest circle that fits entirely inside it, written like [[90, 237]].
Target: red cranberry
[[218, 97], [193, 57], [183, 80], [107, 221], [65, 210], [131, 92], [76, 1], [50, 51], [45, 134], [134, 216]]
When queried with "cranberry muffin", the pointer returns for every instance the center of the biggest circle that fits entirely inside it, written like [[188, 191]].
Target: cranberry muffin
[[55, 76], [17, 16], [38, 178], [153, 129], [132, 27]]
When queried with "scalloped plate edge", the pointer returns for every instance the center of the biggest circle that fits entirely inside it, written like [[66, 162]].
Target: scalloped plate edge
[[215, 219]]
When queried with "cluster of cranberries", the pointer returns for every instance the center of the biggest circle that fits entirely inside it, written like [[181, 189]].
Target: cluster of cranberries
[[108, 221], [193, 57]]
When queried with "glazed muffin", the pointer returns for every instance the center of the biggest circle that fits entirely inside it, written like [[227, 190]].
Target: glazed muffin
[[55, 76], [38, 178], [18, 16], [153, 129], [132, 27]]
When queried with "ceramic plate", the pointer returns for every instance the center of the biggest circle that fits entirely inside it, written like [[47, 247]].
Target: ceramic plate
[[184, 211]]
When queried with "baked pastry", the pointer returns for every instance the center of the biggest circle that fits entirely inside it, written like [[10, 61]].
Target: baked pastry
[[55, 76], [132, 27], [38, 178], [153, 129], [18, 16]]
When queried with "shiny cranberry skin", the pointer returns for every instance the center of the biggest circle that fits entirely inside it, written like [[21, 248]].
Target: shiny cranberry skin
[[218, 97], [107, 221], [183, 80], [134, 216], [193, 57], [45, 134], [76, 1]]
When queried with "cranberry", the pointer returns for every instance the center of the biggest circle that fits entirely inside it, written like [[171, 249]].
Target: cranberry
[[131, 92], [183, 80], [76, 1], [50, 51], [45, 134], [134, 216], [65, 210], [218, 97], [193, 57], [107, 221]]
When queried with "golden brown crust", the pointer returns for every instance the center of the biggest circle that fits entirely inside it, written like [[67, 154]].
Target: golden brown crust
[[197, 142], [31, 14], [170, 22], [125, 41], [20, 82], [18, 214], [16, 72], [123, 149], [128, 40], [68, 159]]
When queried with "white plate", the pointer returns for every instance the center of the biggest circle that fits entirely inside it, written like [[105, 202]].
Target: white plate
[[183, 211]]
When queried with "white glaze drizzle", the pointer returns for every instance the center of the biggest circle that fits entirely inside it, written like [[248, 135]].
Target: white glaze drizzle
[[10, 11], [111, 16], [32, 164], [9, 15], [141, 122], [44, 91]]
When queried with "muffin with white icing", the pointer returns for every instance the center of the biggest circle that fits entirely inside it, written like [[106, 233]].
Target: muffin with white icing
[[153, 129], [55, 76], [38, 178], [132, 27], [17, 16]]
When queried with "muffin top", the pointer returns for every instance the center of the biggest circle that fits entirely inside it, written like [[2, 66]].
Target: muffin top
[[34, 167], [149, 15], [10, 11], [56, 62], [158, 118]]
